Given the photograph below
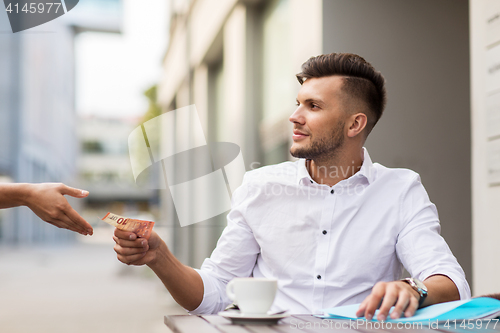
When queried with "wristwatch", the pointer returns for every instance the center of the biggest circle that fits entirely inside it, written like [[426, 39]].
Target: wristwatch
[[419, 287]]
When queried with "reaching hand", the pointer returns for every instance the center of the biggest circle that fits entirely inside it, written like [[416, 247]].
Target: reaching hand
[[132, 250], [184, 283], [48, 202]]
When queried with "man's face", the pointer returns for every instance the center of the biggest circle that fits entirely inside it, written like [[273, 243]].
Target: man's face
[[319, 120]]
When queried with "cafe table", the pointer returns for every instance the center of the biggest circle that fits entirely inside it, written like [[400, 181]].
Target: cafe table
[[310, 324]]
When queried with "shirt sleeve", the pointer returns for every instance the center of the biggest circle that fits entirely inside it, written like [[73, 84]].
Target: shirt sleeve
[[420, 247], [234, 256]]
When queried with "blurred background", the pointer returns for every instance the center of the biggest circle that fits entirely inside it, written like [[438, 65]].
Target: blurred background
[[73, 89]]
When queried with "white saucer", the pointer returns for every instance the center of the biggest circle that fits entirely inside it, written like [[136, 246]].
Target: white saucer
[[239, 318]]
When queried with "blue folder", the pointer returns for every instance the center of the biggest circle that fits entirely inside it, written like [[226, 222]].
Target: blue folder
[[475, 308]]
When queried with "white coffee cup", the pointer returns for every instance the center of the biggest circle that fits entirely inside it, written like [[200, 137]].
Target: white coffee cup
[[252, 295]]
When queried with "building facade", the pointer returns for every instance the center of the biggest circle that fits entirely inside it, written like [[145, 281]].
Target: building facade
[[104, 170], [38, 140], [485, 118]]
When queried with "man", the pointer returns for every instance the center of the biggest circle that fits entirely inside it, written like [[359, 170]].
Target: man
[[332, 227], [47, 201]]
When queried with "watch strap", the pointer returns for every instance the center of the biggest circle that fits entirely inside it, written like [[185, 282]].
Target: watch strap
[[419, 287]]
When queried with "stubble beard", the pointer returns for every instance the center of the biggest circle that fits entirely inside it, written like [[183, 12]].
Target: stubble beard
[[323, 148]]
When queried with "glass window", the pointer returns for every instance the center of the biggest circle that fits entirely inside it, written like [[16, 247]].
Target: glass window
[[278, 80]]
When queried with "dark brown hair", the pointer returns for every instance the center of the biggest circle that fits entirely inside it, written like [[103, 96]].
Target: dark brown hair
[[361, 80]]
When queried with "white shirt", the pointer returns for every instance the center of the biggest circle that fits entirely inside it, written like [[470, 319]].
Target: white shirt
[[327, 246]]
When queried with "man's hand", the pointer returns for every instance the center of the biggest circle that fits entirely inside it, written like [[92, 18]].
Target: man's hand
[[132, 250], [387, 294], [184, 283], [48, 202]]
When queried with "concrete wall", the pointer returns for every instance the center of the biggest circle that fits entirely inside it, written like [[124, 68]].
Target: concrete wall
[[485, 84], [422, 48]]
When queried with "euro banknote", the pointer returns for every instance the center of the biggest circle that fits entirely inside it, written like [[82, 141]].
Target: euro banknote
[[140, 227]]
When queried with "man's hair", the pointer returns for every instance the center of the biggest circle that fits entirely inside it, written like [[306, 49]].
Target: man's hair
[[361, 81]]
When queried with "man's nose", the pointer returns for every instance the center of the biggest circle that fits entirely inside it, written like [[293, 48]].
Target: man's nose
[[297, 116]]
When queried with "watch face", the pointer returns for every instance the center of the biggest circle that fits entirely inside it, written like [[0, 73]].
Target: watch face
[[420, 285]]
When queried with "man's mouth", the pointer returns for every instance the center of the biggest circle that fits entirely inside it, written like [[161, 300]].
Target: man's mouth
[[298, 135]]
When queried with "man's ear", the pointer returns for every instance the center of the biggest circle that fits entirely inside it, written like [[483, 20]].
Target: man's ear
[[358, 123]]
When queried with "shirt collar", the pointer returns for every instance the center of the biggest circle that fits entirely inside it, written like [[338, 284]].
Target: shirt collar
[[367, 170], [302, 173]]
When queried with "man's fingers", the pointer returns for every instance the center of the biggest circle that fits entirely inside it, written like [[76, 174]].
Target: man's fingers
[[403, 300], [378, 292], [390, 298], [131, 258], [412, 307], [128, 251], [137, 243], [125, 234], [384, 296], [74, 192], [361, 310], [362, 307]]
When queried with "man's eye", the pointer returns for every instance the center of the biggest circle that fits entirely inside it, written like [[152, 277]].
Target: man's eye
[[314, 106]]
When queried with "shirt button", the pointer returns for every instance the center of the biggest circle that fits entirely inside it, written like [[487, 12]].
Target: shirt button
[[332, 191], [318, 277], [324, 232]]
